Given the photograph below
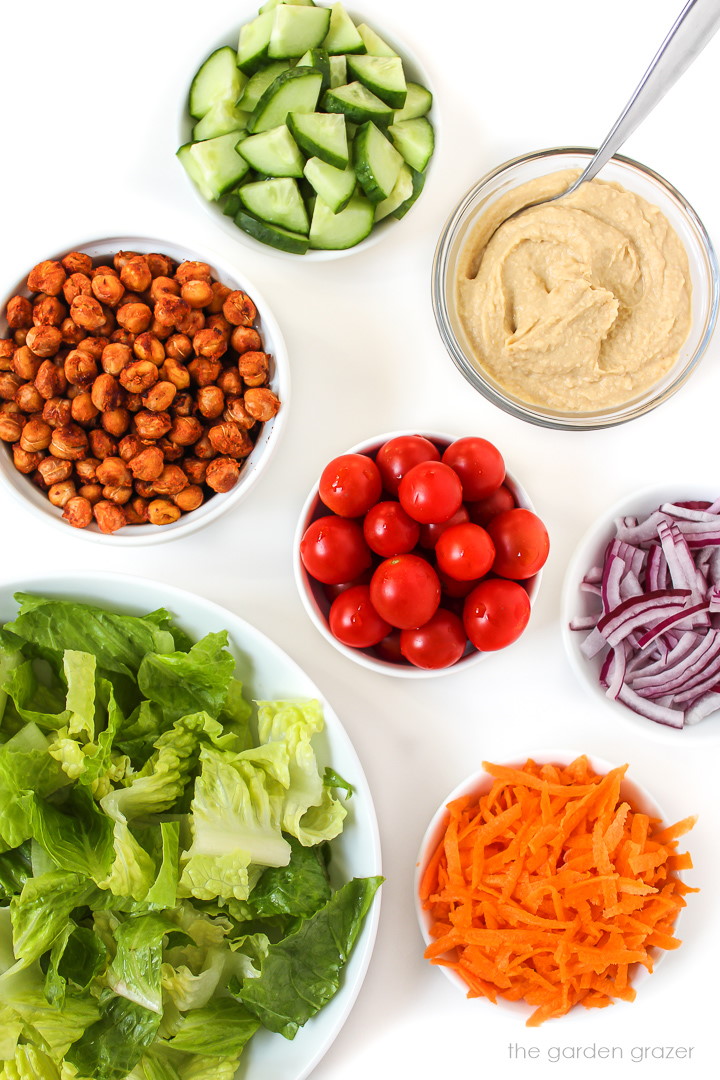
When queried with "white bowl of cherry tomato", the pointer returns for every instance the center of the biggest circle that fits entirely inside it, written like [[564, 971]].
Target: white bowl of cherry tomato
[[418, 554]]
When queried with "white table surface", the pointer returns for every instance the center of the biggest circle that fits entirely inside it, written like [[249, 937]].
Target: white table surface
[[89, 101]]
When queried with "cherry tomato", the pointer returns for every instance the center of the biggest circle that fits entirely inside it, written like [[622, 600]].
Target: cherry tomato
[[388, 530], [397, 456], [430, 492], [333, 550], [354, 621], [389, 648], [479, 465], [430, 534], [439, 643], [333, 591], [521, 543], [350, 484], [465, 551], [405, 590], [483, 510], [495, 614], [452, 588]]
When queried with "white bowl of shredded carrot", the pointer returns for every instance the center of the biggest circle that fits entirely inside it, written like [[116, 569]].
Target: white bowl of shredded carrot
[[550, 883]]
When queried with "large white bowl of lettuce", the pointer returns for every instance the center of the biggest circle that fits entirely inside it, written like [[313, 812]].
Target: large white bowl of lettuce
[[189, 853]]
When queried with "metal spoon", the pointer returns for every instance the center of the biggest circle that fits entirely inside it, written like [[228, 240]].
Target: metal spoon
[[693, 28]]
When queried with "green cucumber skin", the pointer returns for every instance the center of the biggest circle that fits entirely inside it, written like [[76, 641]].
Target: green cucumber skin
[[337, 232], [198, 102], [362, 162], [361, 68], [261, 110], [418, 184], [334, 102], [277, 202], [415, 140], [314, 149], [272, 235]]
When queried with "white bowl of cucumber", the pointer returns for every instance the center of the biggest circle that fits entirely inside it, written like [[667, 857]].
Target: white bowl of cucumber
[[306, 132]]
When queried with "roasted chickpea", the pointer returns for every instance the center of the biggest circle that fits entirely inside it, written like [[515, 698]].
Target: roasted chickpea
[[135, 274], [122, 337], [25, 364], [107, 327], [189, 324], [176, 373], [222, 474], [94, 345], [184, 404], [149, 347], [121, 258], [87, 312], [10, 428], [145, 488], [80, 367], [54, 470], [139, 376], [86, 469], [210, 343], [170, 309], [159, 397], [35, 435], [108, 289], [185, 430], [204, 371], [197, 293], [72, 334], [48, 311], [102, 445], [171, 480], [50, 380], [136, 511], [11, 408], [116, 421], [44, 341], [116, 357], [78, 512], [179, 347], [8, 349], [109, 516], [107, 393], [10, 383], [160, 330], [261, 403], [77, 262], [130, 446], [60, 494], [160, 265], [171, 451], [27, 398], [147, 464], [210, 401], [133, 402], [245, 339], [230, 382], [220, 294], [254, 368], [193, 271], [152, 425], [189, 498], [162, 512], [204, 449], [239, 309], [195, 470], [47, 277], [82, 409], [113, 471], [163, 286], [92, 492], [69, 443], [20, 336], [230, 440], [77, 285], [26, 461], [135, 317], [219, 322], [118, 495]]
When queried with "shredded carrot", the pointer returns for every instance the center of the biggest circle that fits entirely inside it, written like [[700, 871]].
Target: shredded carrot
[[550, 888]]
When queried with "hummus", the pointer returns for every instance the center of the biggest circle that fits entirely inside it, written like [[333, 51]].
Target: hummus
[[577, 305]]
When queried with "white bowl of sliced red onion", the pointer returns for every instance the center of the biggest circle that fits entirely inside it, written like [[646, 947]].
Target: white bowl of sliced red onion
[[641, 611]]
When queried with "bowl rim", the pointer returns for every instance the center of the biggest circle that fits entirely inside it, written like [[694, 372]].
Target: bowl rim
[[146, 535], [419, 74], [302, 578], [477, 783], [597, 535], [587, 421]]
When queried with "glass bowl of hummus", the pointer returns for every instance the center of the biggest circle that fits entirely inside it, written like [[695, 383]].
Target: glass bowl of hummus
[[580, 313]]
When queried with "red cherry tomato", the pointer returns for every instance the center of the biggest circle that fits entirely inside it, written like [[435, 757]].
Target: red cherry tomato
[[479, 465], [405, 590], [333, 550], [439, 643], [389, 648], [430, 534], [354, 621], [430, 492], [495, 614], [388, 530], [465, 551], [484, 510], [397, 456], [521, 543], [333, 591], [453, 589], [350, 484]]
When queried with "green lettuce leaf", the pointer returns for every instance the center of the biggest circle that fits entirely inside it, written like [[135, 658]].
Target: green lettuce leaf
[[135, 970], [77, 835], [77, 956], [11, 656], [299, 888], [111, 1047], [200, 1067], [29, 1063], [41, 913], [220, 1029], [15, 869], [182, 683], [79, 670]]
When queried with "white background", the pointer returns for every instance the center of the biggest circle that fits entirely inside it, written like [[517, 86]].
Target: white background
[[90, 95]]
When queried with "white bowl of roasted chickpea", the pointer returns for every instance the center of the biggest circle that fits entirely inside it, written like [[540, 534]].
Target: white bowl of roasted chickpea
[[143, 389]]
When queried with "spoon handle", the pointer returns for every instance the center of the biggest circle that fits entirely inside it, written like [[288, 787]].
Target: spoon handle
[[693, 28]]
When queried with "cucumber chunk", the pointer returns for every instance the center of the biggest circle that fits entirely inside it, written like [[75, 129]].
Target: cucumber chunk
[[214, 165], [273, 152], [219, 120], [258, 83], [342, 35], [338, 71], [278, 202], [271, 4], [418, 182], [417, 103], [383, 75], [400, 193], [319, 59], [217, 79], [334, 186], [415, 139], [294, 90], [335, 232], [358, 103], [374, 44], [274, 235], [297, 29], [377, 162], [322, 135], [254, 42]]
